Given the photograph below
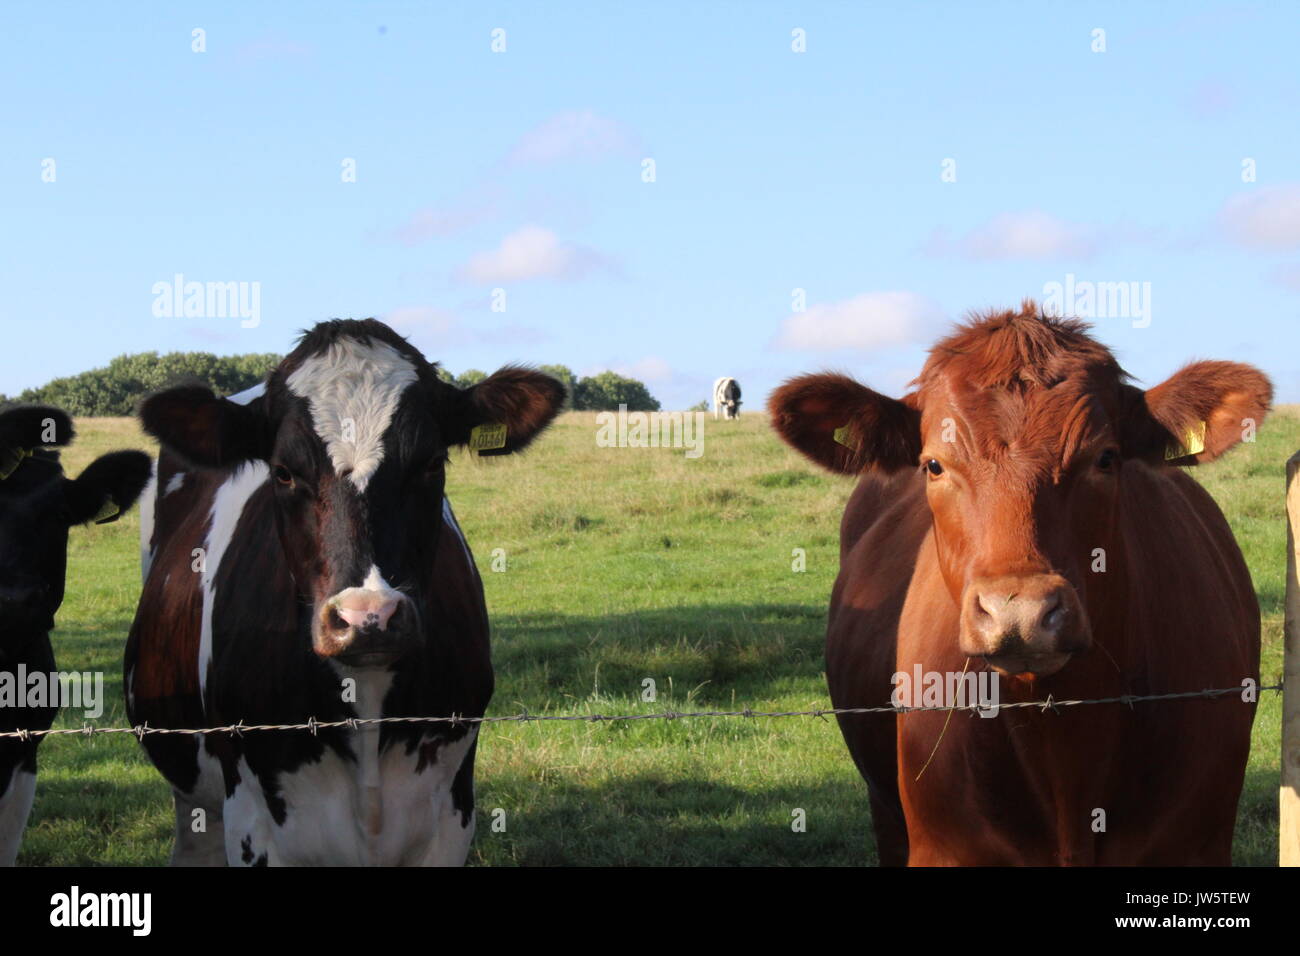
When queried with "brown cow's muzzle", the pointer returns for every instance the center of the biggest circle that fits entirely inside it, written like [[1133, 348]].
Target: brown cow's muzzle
[[363, 627], [1023, 624]]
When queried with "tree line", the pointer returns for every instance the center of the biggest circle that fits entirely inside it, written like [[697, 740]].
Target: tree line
[[603, 392], [116, 389]]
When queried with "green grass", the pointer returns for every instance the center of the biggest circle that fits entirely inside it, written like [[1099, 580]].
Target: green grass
[[624, 564]]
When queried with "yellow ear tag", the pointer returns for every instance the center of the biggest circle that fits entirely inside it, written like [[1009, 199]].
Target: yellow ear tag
[[10, 459], [1193, 443], [841, 436], [108, 511], [487, 437]]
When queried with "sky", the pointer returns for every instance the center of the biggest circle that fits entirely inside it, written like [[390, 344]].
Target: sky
[[676, 191]]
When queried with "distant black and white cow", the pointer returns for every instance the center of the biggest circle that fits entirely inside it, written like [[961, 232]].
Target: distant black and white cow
[[304, 562], [37, 507], [726, 398]]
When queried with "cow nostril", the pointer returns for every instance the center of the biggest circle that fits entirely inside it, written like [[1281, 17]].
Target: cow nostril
[[1007, 643], [1054, 617], [980, 610], [395, 618], [336, 622]]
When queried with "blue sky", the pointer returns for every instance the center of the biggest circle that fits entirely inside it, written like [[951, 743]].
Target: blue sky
[[774, 171]]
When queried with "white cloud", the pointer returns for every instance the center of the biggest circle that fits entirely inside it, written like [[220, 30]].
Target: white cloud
[[574, 134], [649, 369], [531, 253], [868, 321], [1264, 218], [440, 222], [428, 324], [674, 387], [1033, 234], [437, 329]]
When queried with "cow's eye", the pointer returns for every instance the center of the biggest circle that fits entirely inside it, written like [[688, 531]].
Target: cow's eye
[[434, 469], [283, 475], [934, 468], [1107, 460]]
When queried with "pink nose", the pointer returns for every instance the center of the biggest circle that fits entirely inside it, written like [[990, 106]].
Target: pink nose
[[363, 610]]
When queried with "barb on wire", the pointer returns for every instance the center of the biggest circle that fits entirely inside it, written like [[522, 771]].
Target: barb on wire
[[313, 725]]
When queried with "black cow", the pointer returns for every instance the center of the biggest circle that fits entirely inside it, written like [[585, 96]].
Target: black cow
[[37, 507], [305, 563]]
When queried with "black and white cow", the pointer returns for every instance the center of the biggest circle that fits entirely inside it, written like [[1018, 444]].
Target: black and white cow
[[304, 562], [726, 398], [37, 507]]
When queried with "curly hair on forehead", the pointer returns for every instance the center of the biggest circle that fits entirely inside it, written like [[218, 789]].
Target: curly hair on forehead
[[1019, 350]]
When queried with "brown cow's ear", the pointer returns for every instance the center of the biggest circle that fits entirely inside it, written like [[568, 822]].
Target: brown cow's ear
[[1196, 414], [844, 426], [207, 431], [501, 414]]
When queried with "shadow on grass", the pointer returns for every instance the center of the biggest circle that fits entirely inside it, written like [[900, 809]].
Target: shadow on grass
[[757, 651], [1255, 841], [645, 820], [78, 647], [87, 820]]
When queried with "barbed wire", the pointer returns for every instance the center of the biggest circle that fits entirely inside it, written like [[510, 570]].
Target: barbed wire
[[140, 731]]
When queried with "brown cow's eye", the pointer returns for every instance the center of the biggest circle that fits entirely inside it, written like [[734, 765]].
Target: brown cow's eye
[[1107, 460], [934, 468], [283, 475]]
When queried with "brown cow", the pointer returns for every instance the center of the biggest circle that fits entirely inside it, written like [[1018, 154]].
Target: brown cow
[[1020, 511]]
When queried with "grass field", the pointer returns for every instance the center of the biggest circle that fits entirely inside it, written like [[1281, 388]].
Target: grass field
[[623, 564]]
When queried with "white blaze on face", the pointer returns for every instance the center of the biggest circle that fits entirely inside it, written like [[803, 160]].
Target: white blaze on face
[[352, 391], [146, 512], [450, 520], [227, 508]]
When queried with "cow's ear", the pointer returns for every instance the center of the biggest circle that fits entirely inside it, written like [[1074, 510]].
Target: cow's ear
[[206, 430], [844, 426], [108, 487], [1196, 414], [502, 413], [31, 426]]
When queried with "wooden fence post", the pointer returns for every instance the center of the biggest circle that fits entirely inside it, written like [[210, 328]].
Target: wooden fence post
[[1289, 795]]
